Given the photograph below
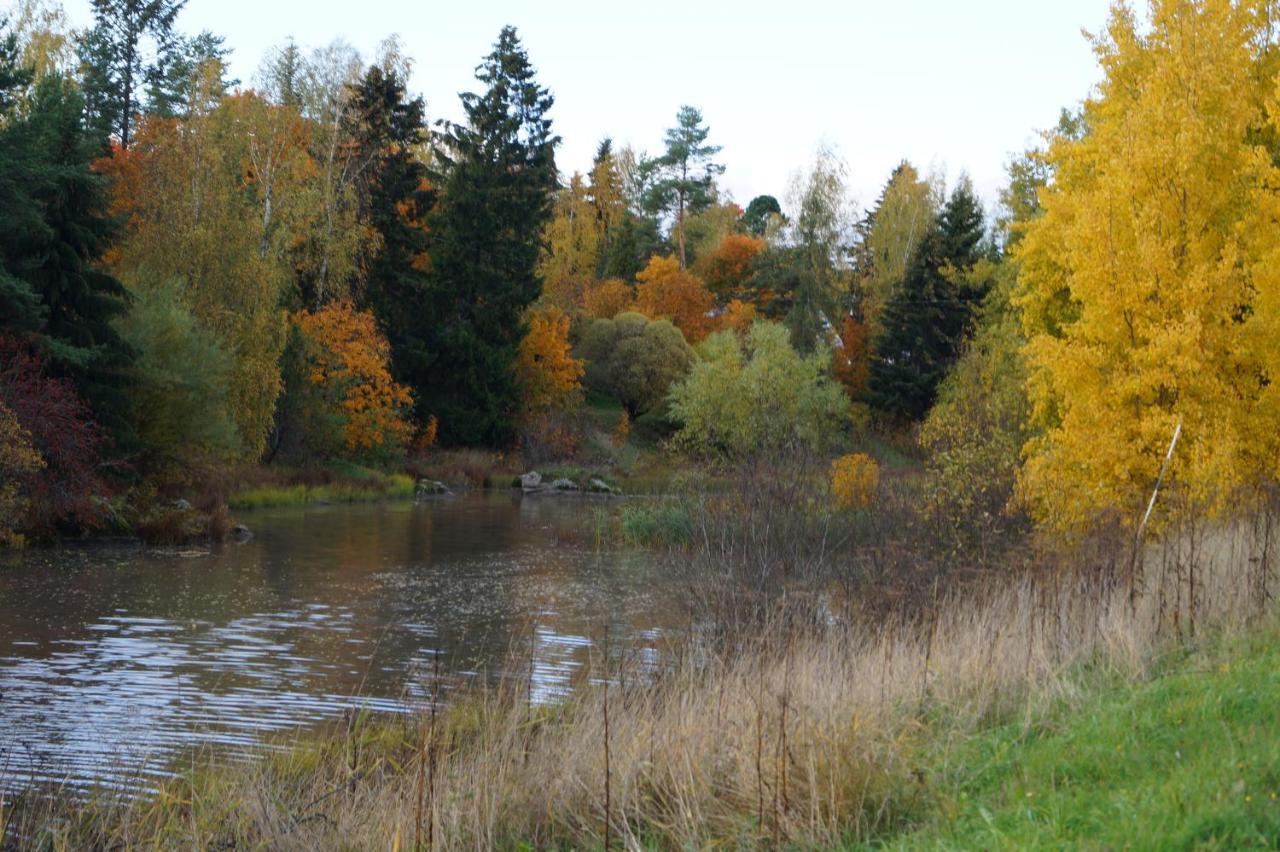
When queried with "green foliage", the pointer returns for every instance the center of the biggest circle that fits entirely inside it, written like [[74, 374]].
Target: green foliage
[[682, 180], [115, 53], [924, 326], [976, 431], [634, 359], [388, 126], [497, 175], [54, 229], [178, 405], [656, 524], [757, 396], [755, 220]]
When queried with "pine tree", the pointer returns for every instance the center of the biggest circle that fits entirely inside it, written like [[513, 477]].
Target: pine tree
[[182, 77], [924, 325], [116, 73], [684, 177], [394, 198], [497, 175]]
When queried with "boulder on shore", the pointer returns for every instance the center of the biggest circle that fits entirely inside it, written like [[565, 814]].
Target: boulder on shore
[[531, 482], [564, 485], [430, 488]]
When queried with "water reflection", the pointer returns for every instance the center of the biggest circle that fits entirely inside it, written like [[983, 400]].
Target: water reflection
[[113, 660]]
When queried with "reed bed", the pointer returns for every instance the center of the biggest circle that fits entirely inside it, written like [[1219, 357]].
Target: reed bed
[[797, 733]]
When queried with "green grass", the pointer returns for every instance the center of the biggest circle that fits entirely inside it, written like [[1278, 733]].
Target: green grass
[[655, 524], [367, 488], [1189, 758]]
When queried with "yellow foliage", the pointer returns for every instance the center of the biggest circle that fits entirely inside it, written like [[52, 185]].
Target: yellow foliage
[[608, 298], [668, 292], [739, 316], [549, 375], [430, 433], [622, 431], [350, 356], [1149, 286], [19, 459], [854, 479]]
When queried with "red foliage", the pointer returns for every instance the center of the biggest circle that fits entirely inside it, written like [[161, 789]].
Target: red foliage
[[62, 430], [851, 361], [727, 268]]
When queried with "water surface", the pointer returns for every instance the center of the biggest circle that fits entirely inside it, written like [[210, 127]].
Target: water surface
[[114, 659]]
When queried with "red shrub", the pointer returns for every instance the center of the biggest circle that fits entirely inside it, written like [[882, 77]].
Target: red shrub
[[62, 430]]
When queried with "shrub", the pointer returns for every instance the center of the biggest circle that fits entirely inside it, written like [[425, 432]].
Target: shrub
[[634, 359], [757, 396], [19, 461], [68, 488], [854, 478]]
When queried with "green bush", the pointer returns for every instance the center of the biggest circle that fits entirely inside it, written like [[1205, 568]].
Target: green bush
[[634, 359], [757, 395]]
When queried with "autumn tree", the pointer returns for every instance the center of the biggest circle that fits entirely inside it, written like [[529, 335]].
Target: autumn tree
[[572, 244], [549, 375], [606, 299], [195, 209], [19, 463], [349, 361], [728, 267], [851, 357], [66, 489], [819, 236], [1148, 285], [683, 178], [666, 290], [496, 176]]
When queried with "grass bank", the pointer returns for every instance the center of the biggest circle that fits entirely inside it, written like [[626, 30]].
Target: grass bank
[[345, 484], [1127, 710]]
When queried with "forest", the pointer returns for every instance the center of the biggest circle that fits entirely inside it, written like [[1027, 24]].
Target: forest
[[1020, 447]]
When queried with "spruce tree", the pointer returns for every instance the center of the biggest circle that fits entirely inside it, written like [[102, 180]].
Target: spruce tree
[[20, 308], [925, 324], [497, 174], [394, 198], [61, 229]]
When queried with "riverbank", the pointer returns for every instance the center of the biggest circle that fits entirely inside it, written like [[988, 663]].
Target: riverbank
[[1047, 708]]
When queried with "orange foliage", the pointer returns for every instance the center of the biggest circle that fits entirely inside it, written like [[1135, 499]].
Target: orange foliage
[[548, 373], [854, 479], [667, 291], [350, 356], [851, 361], [739, 315], [728, 267], [622, 431], [607, 299]]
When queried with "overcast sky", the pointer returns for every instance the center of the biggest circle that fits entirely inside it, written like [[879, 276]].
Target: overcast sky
[[947, 84]]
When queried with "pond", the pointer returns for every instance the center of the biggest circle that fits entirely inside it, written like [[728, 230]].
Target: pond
[[115, 659]]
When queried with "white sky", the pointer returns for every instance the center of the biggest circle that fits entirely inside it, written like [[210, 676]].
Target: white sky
[[948, 84]]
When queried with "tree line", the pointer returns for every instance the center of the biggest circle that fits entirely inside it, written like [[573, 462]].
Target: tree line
[[305, 268]]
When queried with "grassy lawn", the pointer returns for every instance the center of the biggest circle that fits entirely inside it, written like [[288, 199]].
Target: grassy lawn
[[1189, 758]]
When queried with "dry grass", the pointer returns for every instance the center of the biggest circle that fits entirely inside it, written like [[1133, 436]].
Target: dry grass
[[801, 734]]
